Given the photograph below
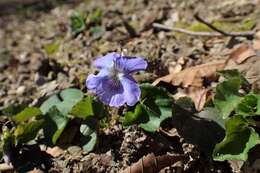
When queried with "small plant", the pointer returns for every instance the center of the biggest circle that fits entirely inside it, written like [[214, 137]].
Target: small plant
[[145, 105]]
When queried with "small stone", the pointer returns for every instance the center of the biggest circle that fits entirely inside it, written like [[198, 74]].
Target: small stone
[[74, 150], [20, 90]]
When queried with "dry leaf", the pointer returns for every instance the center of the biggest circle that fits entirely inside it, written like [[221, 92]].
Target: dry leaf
[[198, 95], [192, 76], [242, 53], [153, 164], [256, 44]]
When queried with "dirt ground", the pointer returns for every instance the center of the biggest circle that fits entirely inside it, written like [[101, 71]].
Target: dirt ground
[[39, 56]]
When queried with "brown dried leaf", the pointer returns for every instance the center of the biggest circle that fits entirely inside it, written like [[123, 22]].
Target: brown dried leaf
[[242, 53], [199, 96], [192, 76], [256, 44], [153, 164]]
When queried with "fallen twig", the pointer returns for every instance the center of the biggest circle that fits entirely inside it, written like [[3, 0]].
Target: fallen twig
[[205, 34], [5, 167], [153, 164], [224, 33]]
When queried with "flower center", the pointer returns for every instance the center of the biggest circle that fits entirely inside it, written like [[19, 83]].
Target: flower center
[[115, 73]]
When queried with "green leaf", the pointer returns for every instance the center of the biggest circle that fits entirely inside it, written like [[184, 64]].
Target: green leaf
[[154, 108], [77, 22], [96, 16], [64, 102], [227, 97], [234, 73], [56, 123], [88, 107], [49, 103], [89, 134], [96, 32], [83, 109], [52, 48], [247, 106], [239, 139], [212, 114], [8, 141], [26, 114], [186, 103], [99, 109], [132, 117], [258, 105], [13, 109], [202, 132], [27, 132]]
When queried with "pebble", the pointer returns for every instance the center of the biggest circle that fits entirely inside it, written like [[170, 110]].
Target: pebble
[[74, 150], [20, 90]]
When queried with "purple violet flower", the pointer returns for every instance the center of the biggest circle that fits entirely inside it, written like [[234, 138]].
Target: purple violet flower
[[114, 84]]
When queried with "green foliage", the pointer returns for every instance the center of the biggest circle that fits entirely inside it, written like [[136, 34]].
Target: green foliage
[[27, 132], [155, 106], [56, 113], [95, 17], [234, 73], [88, 107], [239, 139], [248, 105], [12, 110], [7, 142], [64, 101], [96, 32], [26, 114], [236, 111], [56, 110], [77, 23], [227, 97], [89, 134], [83, 109], [212, 114], [52, 48], [60, 109], [56, 123]]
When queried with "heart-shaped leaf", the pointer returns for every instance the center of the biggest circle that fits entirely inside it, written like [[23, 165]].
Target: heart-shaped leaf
[[155, 106], [227, 97], [239, 139], [212, 114], [56, 123], [88, 107], [26, 114], [83, 108], [64, 101], [234, 73]]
